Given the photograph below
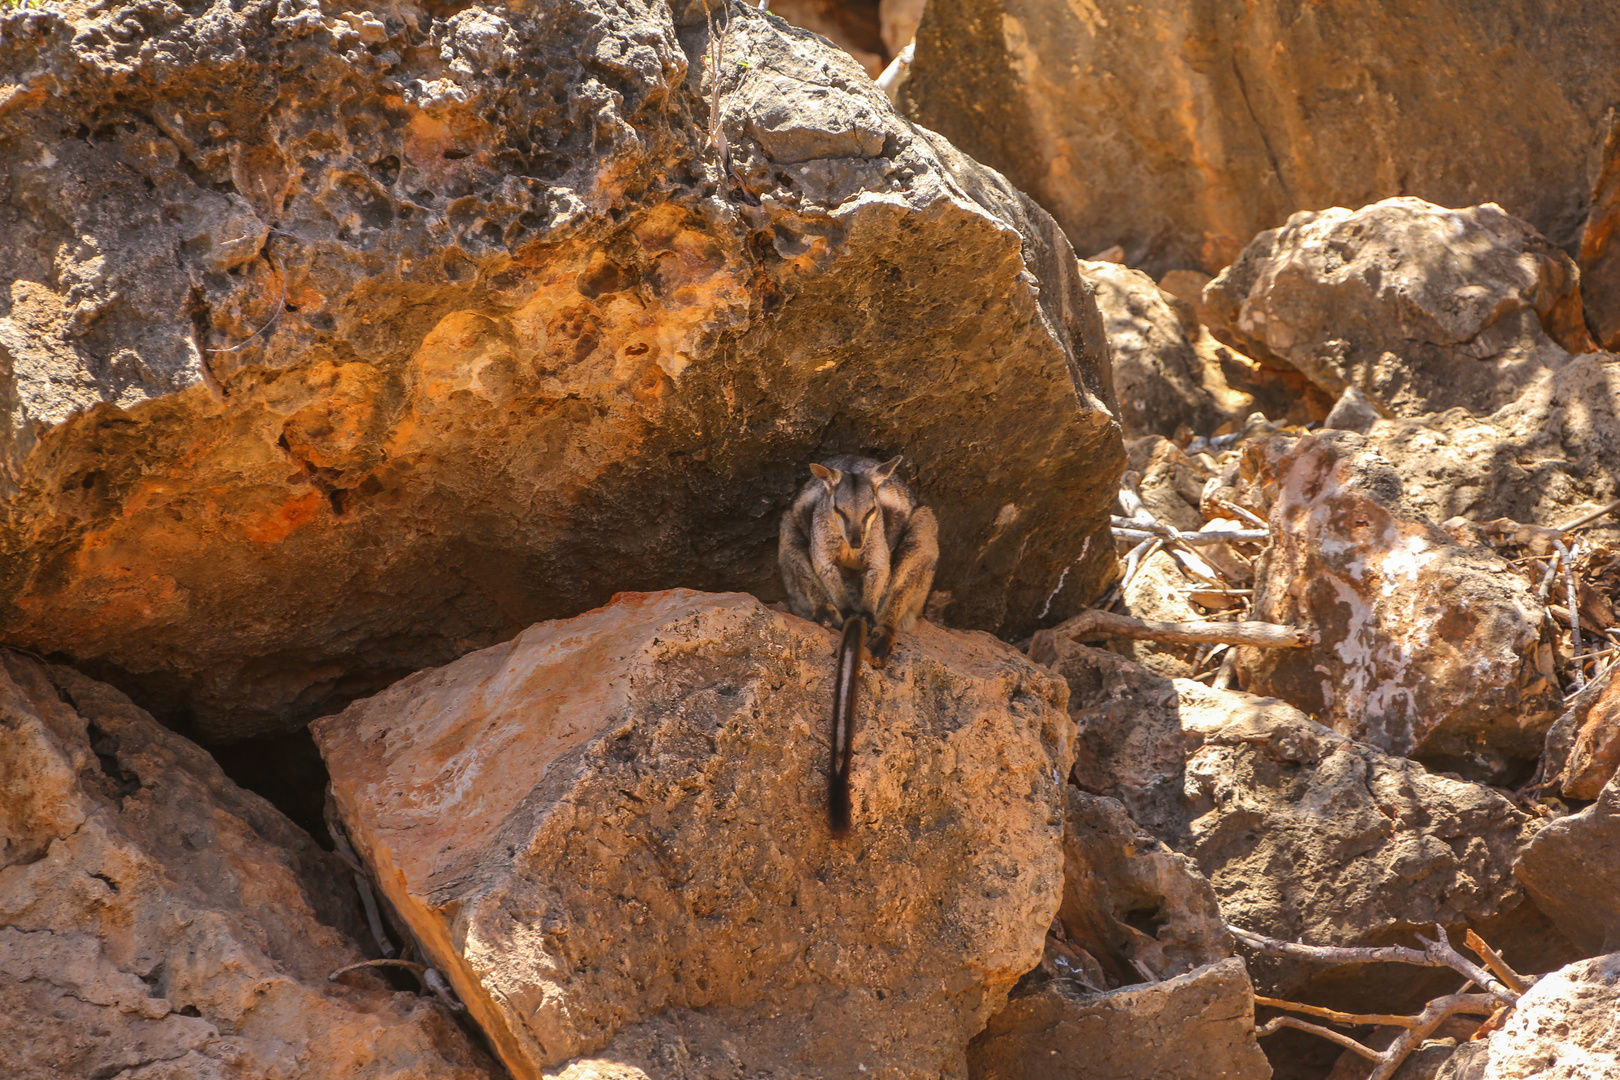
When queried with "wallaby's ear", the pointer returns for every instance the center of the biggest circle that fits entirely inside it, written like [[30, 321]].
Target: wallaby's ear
[[827, 476], [884, 471]]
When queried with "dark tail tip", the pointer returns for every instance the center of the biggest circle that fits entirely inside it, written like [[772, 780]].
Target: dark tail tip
[[838, 807]]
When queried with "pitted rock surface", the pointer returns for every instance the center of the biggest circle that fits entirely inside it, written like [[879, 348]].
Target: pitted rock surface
[[611, 834], [1306, 835], [1423, 307], [157, 922], [337, 343], [1425, 646]]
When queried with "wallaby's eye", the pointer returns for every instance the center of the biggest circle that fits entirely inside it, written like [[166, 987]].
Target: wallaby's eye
[[842, 516], [870, 514]]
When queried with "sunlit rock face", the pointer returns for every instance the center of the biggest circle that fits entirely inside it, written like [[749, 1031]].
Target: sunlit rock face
[[1426, 646], [157, 921], [339, 343], [1179, 129], [611, 834]]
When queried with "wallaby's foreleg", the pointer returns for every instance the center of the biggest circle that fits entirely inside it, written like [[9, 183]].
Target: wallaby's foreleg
[[910, 577], [807, 594]]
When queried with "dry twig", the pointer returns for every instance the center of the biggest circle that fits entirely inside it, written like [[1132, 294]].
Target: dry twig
[[1262, 634], [1435, 953], [1493, 960]]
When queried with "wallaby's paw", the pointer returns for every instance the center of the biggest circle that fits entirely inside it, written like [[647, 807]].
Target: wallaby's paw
[[882, 645], [827, 615]]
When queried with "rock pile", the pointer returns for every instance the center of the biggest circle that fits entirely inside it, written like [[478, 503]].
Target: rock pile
[[447, 387]]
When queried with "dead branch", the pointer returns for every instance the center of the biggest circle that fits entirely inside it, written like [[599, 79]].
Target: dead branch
[[1271, 1026], [1261, 634], [1567, 555], [1433, 1015], [716, 48], [362, 884], [1141, 530], [1589, 518], [1493, 960], [1435, 953], [419, 970], [1134, 560], [1374, 1019]]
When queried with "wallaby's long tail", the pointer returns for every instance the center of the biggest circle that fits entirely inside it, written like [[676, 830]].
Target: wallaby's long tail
[[843, 730]]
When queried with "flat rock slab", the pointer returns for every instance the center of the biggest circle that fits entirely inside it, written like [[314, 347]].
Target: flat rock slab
[[383, 335], [1195, 1026], [611, 834], [159, 923]]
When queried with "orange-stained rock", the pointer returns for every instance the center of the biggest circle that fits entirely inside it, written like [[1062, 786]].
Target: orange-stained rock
[[1595, 755], [348, 341], [1196, 1026], [1425, 646], [611, 834], [159, 923], [1180, 128]]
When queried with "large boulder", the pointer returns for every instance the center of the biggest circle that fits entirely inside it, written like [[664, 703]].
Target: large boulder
[[1424, 645], [1562, 1029], [1305, 834], [341, 342], [158, 922], [1572, 868], [1547, 457], [611, 834], [1422, 307], [1180, 128]]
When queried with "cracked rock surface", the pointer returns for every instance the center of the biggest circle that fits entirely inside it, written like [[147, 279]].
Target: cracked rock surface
[[337, 342], [1306, 835], [638, 873], [1191, 1027], [158, 923]]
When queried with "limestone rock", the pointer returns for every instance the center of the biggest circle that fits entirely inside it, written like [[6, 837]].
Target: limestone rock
[[1167, 370], [341, 343], [1595, 755], [1423, 307], [1547, 457], [1599, 256], [1305, 834], [855, 28], [1562, 1029], [610, 833], [157, 922], [1181, 128], [1425, 647], [1142, 911], [1192, 1027], [1572, 868]]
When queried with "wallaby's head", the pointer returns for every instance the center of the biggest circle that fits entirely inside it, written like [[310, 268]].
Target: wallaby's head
[[854, 501]]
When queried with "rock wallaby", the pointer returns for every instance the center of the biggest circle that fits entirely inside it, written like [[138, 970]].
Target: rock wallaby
[[857, 552]]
